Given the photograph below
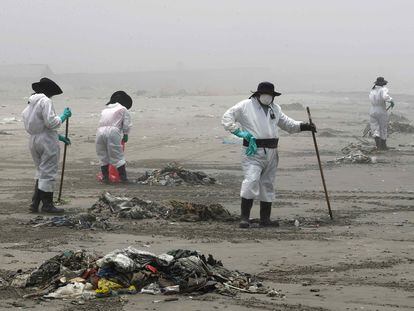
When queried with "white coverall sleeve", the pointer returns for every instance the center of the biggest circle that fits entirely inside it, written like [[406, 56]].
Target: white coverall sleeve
[[127, 124], [52, 121], [288, 124], [386, 96], [231, 117]]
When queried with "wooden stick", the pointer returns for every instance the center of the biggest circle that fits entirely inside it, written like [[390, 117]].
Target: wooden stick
[[320, 165], [64, 162]]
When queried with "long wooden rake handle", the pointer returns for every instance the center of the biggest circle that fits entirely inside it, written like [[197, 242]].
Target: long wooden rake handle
[[320, 165]]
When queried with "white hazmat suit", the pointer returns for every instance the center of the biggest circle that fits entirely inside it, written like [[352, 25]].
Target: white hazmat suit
[[378, 115], [260, 169], [41, 122], [115, 121]]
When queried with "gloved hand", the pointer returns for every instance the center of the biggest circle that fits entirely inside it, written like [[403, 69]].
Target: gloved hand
[[243, 134], [125, 138], [252, 149], [67, 113], [308, 127], [392, 104], [64, 139]]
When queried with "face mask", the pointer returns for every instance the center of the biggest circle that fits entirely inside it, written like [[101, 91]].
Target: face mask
[[266, 99]]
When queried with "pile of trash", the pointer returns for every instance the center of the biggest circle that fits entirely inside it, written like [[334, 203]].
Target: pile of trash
[[292, 106], [137, 208], [78, 275], [81, 221], [357, 153], [399, 124], [173, 175]]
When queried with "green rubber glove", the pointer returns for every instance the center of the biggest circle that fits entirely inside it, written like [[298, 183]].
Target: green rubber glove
[[243, 134], [125, 138], [67, 113], [64, 139], [252, 149], [392, 104]]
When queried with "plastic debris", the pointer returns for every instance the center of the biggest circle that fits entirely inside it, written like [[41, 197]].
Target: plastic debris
[[77, 275], [174, 174], [357, 153], [81, 221], [71, 290]]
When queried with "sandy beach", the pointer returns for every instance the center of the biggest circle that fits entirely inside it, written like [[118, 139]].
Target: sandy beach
[[362, 260]]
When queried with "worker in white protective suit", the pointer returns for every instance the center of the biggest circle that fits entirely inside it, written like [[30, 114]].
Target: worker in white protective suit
[[114, 127], [41, 122], [256, 120], [378, 115]]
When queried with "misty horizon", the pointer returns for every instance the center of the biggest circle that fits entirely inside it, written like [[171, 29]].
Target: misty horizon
[[316, 46]]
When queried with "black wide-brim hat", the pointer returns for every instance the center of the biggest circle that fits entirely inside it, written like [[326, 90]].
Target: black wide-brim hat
[[381, 81], [265, 88], [47, 87], [121, 97]]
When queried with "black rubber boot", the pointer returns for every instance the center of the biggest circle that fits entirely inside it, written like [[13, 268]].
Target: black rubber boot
[[384, 144], [48, 206], [246, 206], [34, 206], [265, 211], [378, 143], [123, 174], [105, 173]]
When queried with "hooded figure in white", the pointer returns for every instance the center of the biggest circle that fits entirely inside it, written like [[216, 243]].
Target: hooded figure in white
[[114, 127], [41, 122], [256, 120], [378, 115]]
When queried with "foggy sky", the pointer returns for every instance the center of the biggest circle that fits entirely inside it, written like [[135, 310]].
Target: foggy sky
[[326, 39]]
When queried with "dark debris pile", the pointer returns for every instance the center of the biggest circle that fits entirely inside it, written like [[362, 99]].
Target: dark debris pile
[[173, 175], [79, 275], [136, 208], [81, 221]]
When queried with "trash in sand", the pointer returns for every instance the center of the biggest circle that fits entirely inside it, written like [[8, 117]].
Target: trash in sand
[[81, 221], [73, 290], [399, 127], [355, 157], [136, 208], [66, 264], [5, 133], [396, 117], [173, 174], [292, 106], [356, 153], [78, 275]]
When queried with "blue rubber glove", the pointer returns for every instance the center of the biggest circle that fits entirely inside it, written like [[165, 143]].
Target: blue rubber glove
[[67, 113], [243, 134], [125, 138], [64, 139], [252, 149]]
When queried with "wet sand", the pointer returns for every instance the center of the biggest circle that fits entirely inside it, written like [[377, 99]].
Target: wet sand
[[363, 260]]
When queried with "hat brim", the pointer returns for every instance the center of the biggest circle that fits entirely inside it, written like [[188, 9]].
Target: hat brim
[[257, 93], [124, 99], [50, 88], [381, 83]]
